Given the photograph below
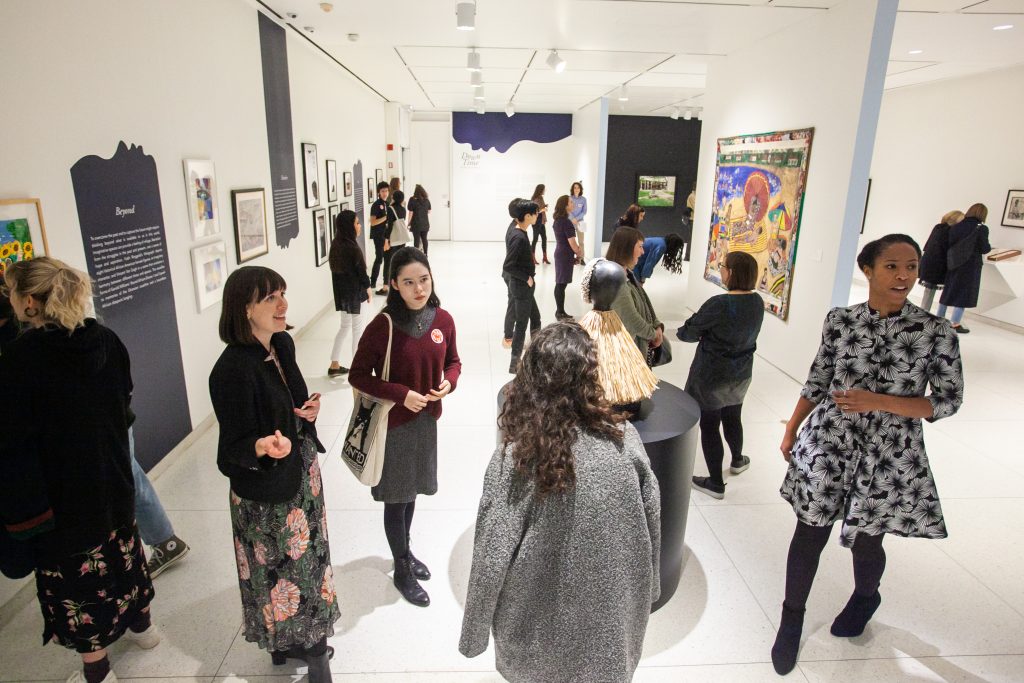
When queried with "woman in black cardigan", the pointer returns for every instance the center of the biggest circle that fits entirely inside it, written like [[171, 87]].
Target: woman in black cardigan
[[931, 272], [351, 286], [268, 449], [968, 241]]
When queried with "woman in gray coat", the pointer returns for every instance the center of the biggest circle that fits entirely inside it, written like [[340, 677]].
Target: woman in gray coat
[[632, 303], [565, 561]]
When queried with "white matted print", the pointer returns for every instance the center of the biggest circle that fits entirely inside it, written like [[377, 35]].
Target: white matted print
[[310, 174], [1013, 212], [201, 195], [250, 223], [332, 180], [210, 271]]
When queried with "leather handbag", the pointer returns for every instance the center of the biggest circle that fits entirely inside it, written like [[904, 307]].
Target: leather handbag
[[661, 355], [367, 433]]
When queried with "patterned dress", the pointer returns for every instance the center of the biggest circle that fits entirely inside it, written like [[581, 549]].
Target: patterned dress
[[870, 470], [284, 564]]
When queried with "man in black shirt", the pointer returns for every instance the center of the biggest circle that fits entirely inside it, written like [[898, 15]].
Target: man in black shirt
[[518, 271], [380, 227]]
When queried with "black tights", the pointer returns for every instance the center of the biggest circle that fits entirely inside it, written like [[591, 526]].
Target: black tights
[[560, 298], [711, 441], [397, 522], [420, 237], [805, 551], [540, 232]]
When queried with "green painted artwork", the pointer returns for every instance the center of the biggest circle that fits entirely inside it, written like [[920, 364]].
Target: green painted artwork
[[15, 242]]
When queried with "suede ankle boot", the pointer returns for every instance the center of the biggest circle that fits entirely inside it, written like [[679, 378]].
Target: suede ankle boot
[[855, 616], [419, 570], [787, 642], [319, 668], [407, 585]]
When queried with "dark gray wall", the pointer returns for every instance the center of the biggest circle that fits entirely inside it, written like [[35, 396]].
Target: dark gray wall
[[649, 145]]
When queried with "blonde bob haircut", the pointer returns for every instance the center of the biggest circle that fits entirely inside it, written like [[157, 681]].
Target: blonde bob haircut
[[953, 217], [64, 294]]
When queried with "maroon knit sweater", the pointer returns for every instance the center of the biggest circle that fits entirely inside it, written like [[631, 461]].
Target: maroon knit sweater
[[417, 364]]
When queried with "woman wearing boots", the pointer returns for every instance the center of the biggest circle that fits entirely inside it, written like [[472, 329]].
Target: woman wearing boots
[[425, 368], [567, 251], [268, 449], [860, 458], [540, 231]]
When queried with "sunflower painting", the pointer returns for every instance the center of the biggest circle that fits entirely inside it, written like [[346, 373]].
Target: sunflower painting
[[15, 242]]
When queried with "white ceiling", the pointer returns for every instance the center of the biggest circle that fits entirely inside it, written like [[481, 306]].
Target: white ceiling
[[411, 52]]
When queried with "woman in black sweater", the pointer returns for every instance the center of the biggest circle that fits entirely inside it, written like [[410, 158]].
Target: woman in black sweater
[[932, 269], [65, 475], [268, 449], [968, 242], [351, 286]]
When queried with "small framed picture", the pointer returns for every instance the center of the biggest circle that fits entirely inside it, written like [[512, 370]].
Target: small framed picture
[[347, 175], [1013, 212], [321, 237], [380, 175], [332, 222], [371, 191], [250, 217], [22, 231], [332, 180], [210, 270], [656, 190], [310, 174], [201, 192]]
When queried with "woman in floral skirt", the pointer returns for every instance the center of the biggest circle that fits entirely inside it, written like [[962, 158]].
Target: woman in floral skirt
[[268, 448]]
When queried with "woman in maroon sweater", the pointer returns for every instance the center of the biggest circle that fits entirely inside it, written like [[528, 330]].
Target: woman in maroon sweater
[[425, 368]]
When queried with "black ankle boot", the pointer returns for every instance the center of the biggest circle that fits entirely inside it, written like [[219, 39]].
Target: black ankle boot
[[280, 657], [855, 616], [319, 668], [787, 642], [419, 570], [407, 585]]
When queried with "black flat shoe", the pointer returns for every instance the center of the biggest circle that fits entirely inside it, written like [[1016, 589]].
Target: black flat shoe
[[337, 372], [960, 329], [279, 658], [705, 485]]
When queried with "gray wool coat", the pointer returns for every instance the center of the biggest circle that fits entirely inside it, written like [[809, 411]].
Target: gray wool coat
[[567, 583]]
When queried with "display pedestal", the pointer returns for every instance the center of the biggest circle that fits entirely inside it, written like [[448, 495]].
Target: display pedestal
[[667, 424]]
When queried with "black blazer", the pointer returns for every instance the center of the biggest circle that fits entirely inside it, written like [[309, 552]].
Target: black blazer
[[518, 255], [251, 401]]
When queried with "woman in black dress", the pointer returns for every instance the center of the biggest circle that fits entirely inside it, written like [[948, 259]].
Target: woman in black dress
[[932, 272], [726, 327], [540, 231], [350, 284], [419, 218], [567, 251], [968, 241]]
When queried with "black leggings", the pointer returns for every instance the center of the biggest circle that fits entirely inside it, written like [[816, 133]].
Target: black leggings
[[560, 298], [805, 551], [711, 441], [378, 259], [397, 522], [420, 236], [540, 232]]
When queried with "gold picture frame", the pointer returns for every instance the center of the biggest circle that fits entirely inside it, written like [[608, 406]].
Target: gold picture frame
[[21, 218]]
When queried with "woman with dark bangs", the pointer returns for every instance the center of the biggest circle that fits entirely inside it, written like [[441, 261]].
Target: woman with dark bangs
[[565, 561]]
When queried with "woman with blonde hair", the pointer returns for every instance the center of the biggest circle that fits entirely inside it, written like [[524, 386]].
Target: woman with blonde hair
[[65, 467], [968, 241], [932, 270]]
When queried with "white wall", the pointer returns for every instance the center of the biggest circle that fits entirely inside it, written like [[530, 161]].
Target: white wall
[[181, 79], [825, 72], [590, 147]]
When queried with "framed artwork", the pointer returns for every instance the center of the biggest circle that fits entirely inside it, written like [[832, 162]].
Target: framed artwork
[[321, 236], [22, 231], [656, 190], [332, 223], [210, 271], [250, 217], [309, 174], [347, 176], [1013, 212], [380, 175], [758, 200], [332, 180], [201, 192], [371, 192]]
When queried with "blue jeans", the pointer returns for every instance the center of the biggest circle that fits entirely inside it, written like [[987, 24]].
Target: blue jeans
[[154, 527], [958, 313]]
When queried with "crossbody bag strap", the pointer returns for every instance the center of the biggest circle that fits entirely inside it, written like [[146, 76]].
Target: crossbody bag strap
[[386, 375]]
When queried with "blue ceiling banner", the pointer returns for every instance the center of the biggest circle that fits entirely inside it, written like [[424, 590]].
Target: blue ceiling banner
[[500, 132]]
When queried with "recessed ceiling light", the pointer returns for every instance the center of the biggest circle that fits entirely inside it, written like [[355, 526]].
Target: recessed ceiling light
[[915, 52], [465, 16], [1002, 27], [556, 62], [473, 60]]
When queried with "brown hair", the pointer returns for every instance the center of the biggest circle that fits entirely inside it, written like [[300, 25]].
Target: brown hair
[[419, 193], [631, 218], [63, 293], [247, 285], [396, 184], [742, 271], [538, 193], [562, 207], [953, 217], [574, 186], [979, 211], [620, 248], [555, 395]]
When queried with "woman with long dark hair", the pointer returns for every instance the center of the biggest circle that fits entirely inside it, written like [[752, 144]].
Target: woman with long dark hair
[[419, 218], [268, 450], [667, 249], [968, 242], [567, 251], [568, 540], [425, 368], [633, 217], [859, 459], [540, 231], [632, 303], [350, 283]]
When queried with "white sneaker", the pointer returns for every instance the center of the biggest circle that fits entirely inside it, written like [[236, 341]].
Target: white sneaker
[[79, 677], [147, 640]]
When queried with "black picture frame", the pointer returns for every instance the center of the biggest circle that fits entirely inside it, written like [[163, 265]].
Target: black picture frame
[[332, 180], [310, 175], [652, 200], [321, 237], [347, 176], [1013, 210], [249, 215], [380, 175], [332, 216]]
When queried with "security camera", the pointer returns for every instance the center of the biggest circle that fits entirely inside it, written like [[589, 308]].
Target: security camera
[[292, 15]]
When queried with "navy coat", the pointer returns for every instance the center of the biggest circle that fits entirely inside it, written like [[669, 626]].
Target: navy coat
[[932, 268], [963, 284]]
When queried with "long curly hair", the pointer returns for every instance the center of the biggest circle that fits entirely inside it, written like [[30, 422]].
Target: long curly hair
[[556, 394]]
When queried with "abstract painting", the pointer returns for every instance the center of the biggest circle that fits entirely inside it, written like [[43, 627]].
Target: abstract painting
[[210, 270], [250, 223], [201, 192]]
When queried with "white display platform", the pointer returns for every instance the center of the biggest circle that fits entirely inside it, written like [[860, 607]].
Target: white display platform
[[1002, 291]]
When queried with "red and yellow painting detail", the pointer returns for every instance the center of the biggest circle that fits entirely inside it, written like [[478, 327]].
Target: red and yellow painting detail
[[15, 242], [759, 192]]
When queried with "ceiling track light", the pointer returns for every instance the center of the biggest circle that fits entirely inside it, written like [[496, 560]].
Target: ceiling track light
[[623, 94], [688, 115], [473, 60], [476, 79], [700, 113], [556, 62], [480, 108], [479, 94], [465, 16], [510, 110], [675, 113]]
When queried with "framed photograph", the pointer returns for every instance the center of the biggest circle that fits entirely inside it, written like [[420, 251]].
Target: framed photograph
[[201, 193], [250, 217], [332, 215], [347, 176], [22, 231], [371, 192], [321, 237], [210, 271], [1013, 212], [310, 176], [332, 180], [656, 190], [380, 175]]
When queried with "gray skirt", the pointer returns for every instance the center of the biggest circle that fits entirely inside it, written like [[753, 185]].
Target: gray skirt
[[410, 462]]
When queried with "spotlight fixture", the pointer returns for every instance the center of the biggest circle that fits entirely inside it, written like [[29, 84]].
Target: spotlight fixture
[[1002, 27], [480, 109], [675, 113], [476, 79], [308, 29], [292, 15], [700, 113], [510, 110], [556, 62], [465, 16], [473, 60], [623, 94], [688, 115], [479, 94]]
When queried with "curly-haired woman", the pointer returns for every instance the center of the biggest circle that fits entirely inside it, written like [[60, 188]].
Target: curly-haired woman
[[565, 562]]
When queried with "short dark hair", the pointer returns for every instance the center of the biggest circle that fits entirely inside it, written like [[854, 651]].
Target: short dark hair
[[395, 305], [382, 186], [620, 248], [398, 197], [520, 208], [869, 254], [742, 271], [245, 286]]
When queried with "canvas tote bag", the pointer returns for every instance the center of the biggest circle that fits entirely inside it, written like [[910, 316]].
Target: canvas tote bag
[[399, 230], [367, 432]]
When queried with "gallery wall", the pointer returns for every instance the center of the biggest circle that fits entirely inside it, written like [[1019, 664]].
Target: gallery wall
[[838, 93], [649, 145], [152, 75]]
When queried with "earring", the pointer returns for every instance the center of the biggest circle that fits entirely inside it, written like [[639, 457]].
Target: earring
[[31, 312]]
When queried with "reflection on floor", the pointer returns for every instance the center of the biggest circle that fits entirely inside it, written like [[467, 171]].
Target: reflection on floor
[[953, 610]]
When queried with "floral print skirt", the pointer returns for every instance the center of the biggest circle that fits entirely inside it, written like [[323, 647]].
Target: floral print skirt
[[90, 598], [284, 564]]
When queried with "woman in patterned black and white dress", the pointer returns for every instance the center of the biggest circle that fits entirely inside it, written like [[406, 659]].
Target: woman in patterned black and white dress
[[860, 459]]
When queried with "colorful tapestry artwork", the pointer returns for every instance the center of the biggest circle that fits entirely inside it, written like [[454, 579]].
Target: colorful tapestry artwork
[[759, 193], [15, 242]]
